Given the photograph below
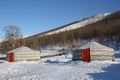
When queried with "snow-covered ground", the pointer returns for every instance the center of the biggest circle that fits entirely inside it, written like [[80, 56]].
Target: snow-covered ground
[[48, 52], [51, 50], [61, 68]]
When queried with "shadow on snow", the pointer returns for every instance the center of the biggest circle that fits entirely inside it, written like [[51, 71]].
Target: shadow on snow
[[111, 73], [60, 63]]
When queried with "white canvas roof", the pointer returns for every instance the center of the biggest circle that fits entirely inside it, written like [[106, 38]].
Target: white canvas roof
[[95, 45], [22, 50]]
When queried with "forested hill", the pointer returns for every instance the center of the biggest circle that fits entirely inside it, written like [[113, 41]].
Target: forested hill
[[104, 30], [74, 25]]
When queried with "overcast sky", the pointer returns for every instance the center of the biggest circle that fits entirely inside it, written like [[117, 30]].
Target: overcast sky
[[36, 16]]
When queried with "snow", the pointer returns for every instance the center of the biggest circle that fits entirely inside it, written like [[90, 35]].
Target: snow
[[2, 55], [22, 50], [74, 25], [51, 50], [61, 68], [96, 45], [27, 36], [0, 40], [79, 24], [48, 52]]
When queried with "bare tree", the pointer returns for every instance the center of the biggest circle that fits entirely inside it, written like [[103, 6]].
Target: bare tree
[[12, 33]]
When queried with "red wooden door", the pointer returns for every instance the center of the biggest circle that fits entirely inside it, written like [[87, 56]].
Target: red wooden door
[[86, 55], [11, 57]]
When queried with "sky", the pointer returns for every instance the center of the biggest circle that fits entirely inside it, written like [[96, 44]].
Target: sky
[[36, 16]]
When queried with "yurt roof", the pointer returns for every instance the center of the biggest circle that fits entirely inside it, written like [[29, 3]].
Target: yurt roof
[[95, 45], [22, 50]]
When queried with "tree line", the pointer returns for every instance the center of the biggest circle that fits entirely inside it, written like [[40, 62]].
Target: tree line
[[107, 30]]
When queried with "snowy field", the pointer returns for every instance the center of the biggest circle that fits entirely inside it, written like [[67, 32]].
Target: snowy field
[[60, 68]]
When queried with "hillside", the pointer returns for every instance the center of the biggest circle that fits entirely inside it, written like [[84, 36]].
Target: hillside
[[75, 25], [104, 28]]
